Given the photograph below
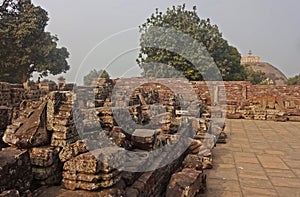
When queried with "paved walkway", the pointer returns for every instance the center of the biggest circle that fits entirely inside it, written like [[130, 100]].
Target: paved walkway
[[261, 158]]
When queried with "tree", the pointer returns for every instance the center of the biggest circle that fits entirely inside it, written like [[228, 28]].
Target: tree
[[25, 46], [214, 49], [93, 75], [294, 80], [61, 79], [255, 77]]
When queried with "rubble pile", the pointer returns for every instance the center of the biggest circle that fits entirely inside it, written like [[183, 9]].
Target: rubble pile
[[71, 137]]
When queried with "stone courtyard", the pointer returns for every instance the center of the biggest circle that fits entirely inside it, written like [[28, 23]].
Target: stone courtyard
[[261, 158]]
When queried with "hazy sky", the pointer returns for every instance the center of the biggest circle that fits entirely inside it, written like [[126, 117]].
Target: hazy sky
[[99, 33]]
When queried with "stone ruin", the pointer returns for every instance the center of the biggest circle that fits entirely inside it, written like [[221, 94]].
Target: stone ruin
[[54, 135], [55, 138]]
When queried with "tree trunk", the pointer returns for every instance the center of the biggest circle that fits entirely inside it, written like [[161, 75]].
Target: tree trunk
[[24, 77]]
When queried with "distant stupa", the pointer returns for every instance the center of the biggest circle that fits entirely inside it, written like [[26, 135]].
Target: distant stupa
[[272, 73], [250, 58]]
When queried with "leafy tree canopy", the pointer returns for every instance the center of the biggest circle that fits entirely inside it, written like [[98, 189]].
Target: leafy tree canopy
[[182, 53], [294, 80], [255, 77], [93, 75], [61, 79], [25, 46]]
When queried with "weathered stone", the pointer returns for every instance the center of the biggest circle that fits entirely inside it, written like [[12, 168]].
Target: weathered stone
[[10, 193], [193, 161], [64, 129], [5, 117], [154, 183], [117, 136], [207, 161], [63, 142], [294, 118], [91, 125], [186, 183], [63, 135], [234, 115], [92, 178], [281, 118], [72, 185], [132, 192], [61, 192], [195, 146], [95, 161], [15, 170], [144, 138], [32, 132], [130, 177], [72, 150], [43, 156], [221, 139], [50, 174]]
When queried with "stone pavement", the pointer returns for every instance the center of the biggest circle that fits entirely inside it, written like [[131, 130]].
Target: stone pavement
[[261, 158]]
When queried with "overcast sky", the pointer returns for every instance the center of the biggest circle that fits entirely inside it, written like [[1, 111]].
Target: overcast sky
[[101, 33]]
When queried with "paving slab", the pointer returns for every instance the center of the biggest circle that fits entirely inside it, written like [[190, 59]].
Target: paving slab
[[261, 158]]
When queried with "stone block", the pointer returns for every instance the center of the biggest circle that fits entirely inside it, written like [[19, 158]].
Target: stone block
[[46, 174], [32, 131], [95, 161], [186, 183], [43, 156], [144, 138], [193, 161], [92, 178], [90, 186], [72, 150]]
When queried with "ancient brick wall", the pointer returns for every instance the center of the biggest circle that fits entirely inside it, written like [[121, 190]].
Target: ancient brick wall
[[241, 91], [280, 93], [10, 94], [229, 90]]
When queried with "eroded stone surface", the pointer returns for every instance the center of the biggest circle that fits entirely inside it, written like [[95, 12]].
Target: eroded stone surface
[[187, 183], [15, 170], [29, 131]]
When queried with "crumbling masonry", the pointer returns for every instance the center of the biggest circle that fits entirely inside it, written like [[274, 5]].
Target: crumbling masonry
[[55, 136]]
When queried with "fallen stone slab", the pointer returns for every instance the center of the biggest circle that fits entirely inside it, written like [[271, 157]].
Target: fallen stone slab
[[186, 183], [144, 138], [31, 132]]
